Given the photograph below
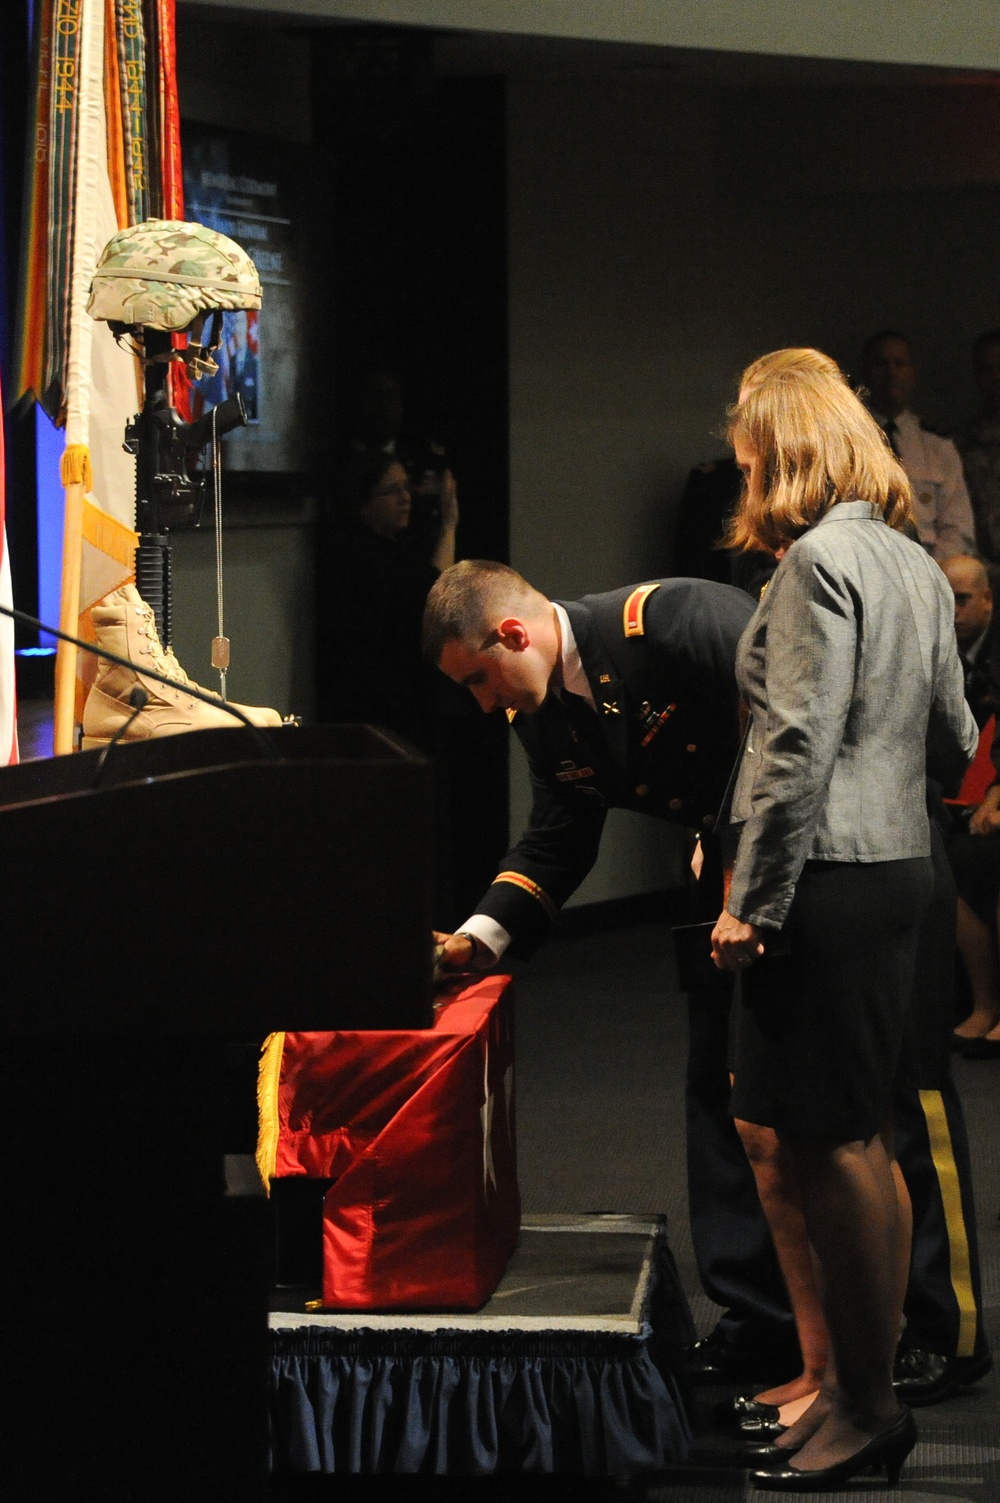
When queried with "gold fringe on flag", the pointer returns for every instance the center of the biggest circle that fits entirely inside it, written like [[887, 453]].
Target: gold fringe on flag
[[104, 532], [268, 1128], [74, 467]]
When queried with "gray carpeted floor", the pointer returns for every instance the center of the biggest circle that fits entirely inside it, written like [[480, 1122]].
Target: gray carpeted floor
[[600, 1072], [601, 1046]]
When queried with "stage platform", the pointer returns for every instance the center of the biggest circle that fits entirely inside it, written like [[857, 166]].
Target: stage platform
[[568, 1367]]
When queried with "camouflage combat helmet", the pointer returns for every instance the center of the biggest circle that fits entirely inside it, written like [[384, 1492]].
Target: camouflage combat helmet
[[163, 272]]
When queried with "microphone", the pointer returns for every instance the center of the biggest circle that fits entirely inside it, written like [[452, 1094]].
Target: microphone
[[161, 678], [138, 699]]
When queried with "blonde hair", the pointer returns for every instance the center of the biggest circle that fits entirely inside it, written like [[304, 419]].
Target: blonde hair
[[817, 445]]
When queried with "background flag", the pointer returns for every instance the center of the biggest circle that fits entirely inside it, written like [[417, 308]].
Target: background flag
[[107, 154], [8, 694]]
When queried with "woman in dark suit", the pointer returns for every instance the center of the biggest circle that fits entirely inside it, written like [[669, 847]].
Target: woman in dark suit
[[851, 673]]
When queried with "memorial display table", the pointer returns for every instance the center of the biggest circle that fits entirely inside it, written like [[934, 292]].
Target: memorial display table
[[567, 1369], [416, 1130]]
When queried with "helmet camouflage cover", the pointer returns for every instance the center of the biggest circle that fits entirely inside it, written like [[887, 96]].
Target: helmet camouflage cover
[[164, 272]]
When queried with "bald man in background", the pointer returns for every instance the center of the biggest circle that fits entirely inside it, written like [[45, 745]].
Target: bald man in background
[[970, 583]]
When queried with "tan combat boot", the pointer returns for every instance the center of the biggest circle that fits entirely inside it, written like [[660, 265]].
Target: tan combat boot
[[125, 625]]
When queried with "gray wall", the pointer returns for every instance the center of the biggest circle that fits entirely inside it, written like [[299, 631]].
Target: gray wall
[[664, 229], [268, 613], [267, 546], [662, 237], [959, 33]]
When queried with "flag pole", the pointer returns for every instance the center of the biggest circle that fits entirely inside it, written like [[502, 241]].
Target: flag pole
[[64, 704], [75, 468]]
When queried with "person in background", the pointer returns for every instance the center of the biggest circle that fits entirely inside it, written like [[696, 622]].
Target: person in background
[[372, 587], [974, 631], [975, 859], [381, 423], [851, 669], [974, 847], [942, 510], [710, 496], [978, 442]]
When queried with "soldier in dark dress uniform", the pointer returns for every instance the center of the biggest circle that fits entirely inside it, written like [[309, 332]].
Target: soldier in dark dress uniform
[[625, 700]]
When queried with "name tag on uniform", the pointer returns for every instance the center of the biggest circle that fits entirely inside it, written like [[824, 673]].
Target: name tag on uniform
[[572, 774]]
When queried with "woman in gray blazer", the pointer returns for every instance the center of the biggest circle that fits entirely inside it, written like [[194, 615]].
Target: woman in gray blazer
[[851, 673]]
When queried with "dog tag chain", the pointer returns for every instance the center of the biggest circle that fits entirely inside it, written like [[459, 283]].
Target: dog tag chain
[[220, 643]]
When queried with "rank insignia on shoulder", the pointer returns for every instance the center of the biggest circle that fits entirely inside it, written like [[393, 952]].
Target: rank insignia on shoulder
[[510, 715], [635, 607]]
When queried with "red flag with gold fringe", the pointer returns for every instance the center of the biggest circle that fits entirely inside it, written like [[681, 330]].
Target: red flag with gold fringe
[[416, 1129]]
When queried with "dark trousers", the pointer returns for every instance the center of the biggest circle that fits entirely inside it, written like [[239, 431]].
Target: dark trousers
[[943, 1305], [944, 1296], [736, 1261], [732, 1243]]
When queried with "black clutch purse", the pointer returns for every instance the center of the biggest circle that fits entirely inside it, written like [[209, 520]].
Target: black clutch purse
[[696, 970]]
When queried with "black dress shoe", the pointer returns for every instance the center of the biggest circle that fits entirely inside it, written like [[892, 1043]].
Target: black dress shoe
[[744, 1407], [760, 1429], [921, 1378], [888, 1449], [766, 1453], [714, 1359]]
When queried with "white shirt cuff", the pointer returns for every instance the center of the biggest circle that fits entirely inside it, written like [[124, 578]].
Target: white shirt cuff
[[488, 932]]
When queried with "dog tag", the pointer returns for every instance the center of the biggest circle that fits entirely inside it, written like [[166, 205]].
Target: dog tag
[[220, 653]]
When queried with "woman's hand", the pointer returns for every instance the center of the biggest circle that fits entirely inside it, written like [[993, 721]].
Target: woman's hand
[[735, 945], [986, 819], [444, 550], [449, 501]]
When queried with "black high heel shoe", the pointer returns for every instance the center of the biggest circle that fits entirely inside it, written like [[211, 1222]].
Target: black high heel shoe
[[888, 1449]]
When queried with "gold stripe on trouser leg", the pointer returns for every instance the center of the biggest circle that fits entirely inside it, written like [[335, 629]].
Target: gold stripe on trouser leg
[[939, 1136]]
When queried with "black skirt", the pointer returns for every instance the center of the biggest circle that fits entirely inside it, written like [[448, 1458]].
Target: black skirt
[[817, 1030], [975, 860]]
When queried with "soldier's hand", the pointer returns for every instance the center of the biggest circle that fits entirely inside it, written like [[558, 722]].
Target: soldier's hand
[[453, 953]]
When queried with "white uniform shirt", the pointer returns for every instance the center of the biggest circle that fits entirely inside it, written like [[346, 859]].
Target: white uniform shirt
[[493, 935], [943, 510]]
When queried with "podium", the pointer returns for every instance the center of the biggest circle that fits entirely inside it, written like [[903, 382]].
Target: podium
[[190, 892], [244, 892]]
